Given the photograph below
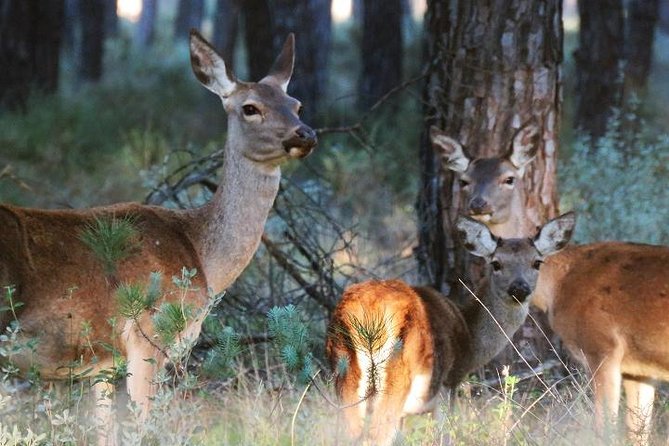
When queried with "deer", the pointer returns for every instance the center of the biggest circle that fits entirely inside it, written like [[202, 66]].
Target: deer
[[421, 340], [62, 284], [607, 301]]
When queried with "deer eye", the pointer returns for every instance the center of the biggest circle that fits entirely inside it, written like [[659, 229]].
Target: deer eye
[[464, 183], [537, 264], [250, 110], [510, 181], [496, 266]]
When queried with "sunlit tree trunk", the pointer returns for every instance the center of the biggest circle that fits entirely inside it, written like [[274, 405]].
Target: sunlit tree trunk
[[30, 40], [599, 59], [495, 67], [381, 49]]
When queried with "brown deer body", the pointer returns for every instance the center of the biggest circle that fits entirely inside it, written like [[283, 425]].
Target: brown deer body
[[62, 284], [608, 301], [422, 340]]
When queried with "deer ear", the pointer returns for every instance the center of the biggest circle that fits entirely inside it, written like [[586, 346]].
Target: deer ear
[[476, 237], [555, 234], [524, 145], [449, 150], [282, 69], [209, 67]]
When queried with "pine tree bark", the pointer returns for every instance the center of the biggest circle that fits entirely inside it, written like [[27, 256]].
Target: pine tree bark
[[312, 45], [189, 15], [93, 33], [381, 49], [111, 18], [146, 27], [599, 59], [30, 40], [642, 18], [494, 67]]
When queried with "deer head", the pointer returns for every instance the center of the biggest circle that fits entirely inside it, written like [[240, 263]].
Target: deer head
[[514, 263], [489, 185], [263, 121]]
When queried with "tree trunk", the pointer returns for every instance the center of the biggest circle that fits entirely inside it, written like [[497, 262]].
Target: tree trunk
[[494, 67], [189, 15], [111, 18], [312, 47], [381, 49], [145, 31], [642, 17], [664, 16], [258, 37], [30, 39], [598, 64], [92, 13], [226, 26]]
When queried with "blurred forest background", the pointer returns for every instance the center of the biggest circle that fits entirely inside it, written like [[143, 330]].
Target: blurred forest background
[[98, 105]]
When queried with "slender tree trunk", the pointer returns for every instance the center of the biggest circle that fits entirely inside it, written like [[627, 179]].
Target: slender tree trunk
[[92, 39], [381, 49], [312, 47], [30, 40], [189, 15], [111, 18], [642, 17], [599, 60], [226, 26], [258, 37], [145, 31]]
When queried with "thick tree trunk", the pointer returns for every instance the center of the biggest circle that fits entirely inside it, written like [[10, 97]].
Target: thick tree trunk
[[92, 13], [189, 15], [381, 49], [30, 39], [494, 67], [599, 64], [226, 26], [258, 37], [664, 16], [145, 31], [312, 47], [642, 17]]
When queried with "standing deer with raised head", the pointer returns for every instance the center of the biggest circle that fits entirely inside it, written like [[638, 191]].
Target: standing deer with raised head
[[62, 284], [421, 339], [608, 301]]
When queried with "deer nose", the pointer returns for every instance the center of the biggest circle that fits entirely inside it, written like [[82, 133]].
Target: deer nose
[[519, 289], [301, 142], [478, 206]]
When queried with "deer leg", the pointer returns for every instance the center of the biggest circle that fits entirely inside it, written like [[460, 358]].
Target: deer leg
[[640, 396], [606, 388], [104, 415], [142, 366]]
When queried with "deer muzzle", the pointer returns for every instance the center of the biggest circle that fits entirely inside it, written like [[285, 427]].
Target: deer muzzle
[[301, 143], [520, 290]]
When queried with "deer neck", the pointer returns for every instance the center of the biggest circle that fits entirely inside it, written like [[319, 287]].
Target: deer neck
[[233, 221], [489, 336], [518, 224]]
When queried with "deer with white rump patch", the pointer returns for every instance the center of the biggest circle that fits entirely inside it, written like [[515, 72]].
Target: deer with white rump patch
[[62, 284], [608, 301], [394, 346]]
